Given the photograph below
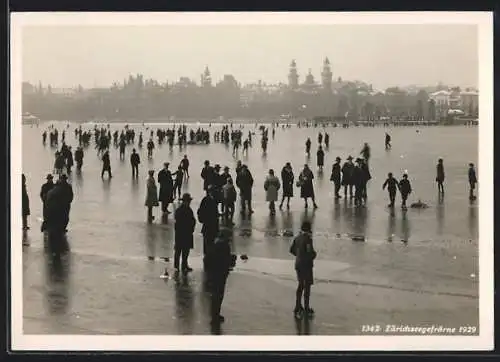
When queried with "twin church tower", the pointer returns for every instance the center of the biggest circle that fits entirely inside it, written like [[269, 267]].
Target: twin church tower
[[293, 78], [326, 77]]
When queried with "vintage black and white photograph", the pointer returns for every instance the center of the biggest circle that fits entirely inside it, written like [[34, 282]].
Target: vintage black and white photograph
[[236, 181]]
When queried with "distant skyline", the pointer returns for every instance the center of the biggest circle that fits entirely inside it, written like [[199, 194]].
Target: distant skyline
[[381, 55]]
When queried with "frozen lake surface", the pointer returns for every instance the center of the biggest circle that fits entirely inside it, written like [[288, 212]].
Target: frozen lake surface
[[418, 266]]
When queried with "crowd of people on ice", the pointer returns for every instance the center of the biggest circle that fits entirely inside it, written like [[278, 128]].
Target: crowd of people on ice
[[222, 189]]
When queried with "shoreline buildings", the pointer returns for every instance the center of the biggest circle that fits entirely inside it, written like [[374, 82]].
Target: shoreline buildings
[[302, 96]]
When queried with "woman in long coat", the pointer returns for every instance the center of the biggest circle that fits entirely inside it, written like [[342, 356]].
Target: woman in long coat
[[287, 178], [25, 204], [272, 185], [320, 157], [151, 195], [305, 183]]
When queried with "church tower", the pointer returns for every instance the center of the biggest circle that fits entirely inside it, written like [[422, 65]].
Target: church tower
[[309, 79], [206, 78], [326, 75], [293, 77]]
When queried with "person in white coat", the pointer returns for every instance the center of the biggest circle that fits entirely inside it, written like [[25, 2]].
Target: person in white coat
[[272, 185]]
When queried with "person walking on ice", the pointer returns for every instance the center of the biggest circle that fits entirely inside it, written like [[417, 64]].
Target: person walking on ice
[[405, 189], [303, 250]]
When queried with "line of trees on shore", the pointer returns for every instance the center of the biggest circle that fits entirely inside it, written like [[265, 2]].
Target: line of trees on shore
[[140, 99]]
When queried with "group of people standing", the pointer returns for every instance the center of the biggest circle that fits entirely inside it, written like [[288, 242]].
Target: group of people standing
[[56, 200]]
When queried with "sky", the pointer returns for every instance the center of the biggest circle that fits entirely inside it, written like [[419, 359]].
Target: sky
[[381, 55]]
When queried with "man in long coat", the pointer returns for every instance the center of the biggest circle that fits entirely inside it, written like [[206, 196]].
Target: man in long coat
[[184, 229], [166, 187], [46, 187], [208, 215], [244, 181], [57, 214], [347, 176], [65, 198], [208, 175]]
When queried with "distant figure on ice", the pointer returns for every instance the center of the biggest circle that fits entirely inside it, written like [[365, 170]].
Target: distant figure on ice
[[179, 175], [264, 143], [230, 195], [472, 181], [185, 166], [320, 138], [327, 140], [122, 145], [271, 186], [336, 176], [405, 189], [106, 164], [366, 153], [150, 146], [151, 196], [59, 163], [69, 160], [287, 178], [25, 204], [440, 175], [135, 160], [387, 141], [140, 140], [392, 186], [305, 182], [79, 158], [308, 147], [320, 155], [184, 229], [303, 250]]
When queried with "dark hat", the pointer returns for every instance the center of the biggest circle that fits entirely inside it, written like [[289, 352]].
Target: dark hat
[[226, 168], [186, 197], [225, 232], [337, 158], [217, 167], [166, 164], [306, 226], [349, 157], [49, 177], [63, 177]]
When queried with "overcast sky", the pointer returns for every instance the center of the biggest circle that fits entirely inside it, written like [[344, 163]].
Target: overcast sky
[[383, 55]]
